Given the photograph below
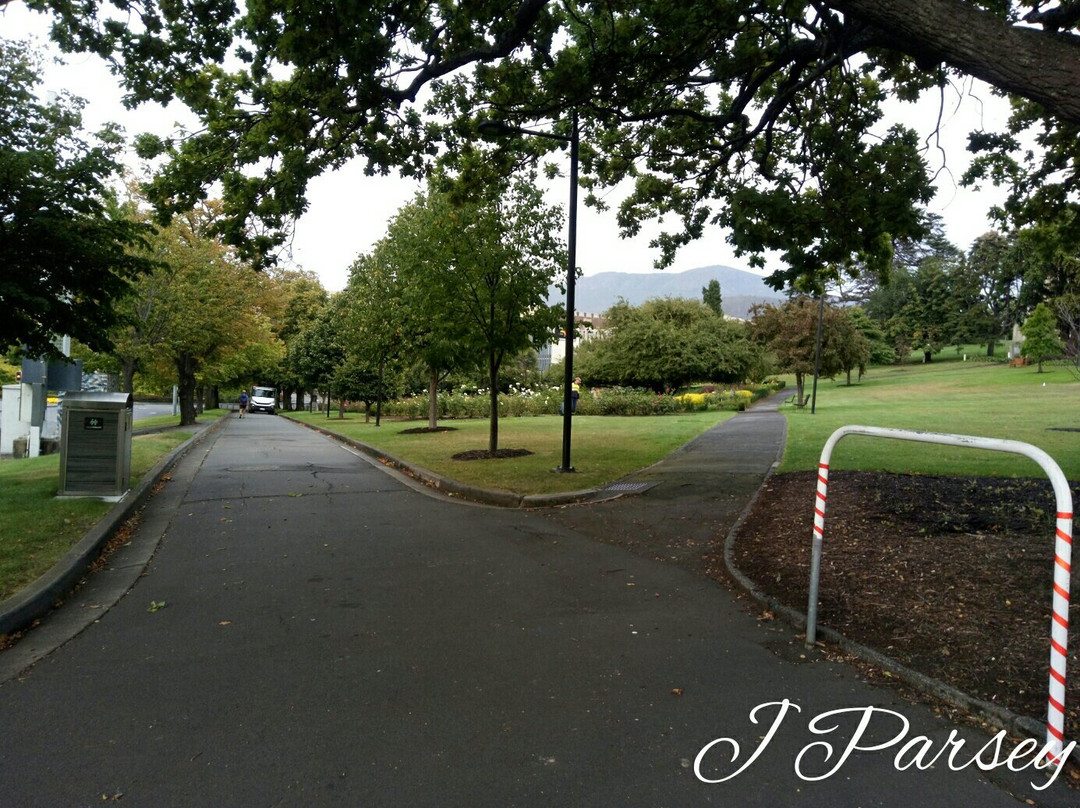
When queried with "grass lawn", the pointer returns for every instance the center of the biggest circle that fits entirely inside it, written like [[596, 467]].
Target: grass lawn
[[37, 527], [956, 353], [966, 398], [603, 449]]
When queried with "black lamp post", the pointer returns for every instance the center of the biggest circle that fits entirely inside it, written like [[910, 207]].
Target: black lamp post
[[817, 350], [499, 129]]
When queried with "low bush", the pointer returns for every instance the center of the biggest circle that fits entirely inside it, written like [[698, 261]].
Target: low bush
[[525, 402]]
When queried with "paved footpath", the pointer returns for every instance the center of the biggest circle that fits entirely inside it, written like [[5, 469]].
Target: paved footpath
[[313, 631], [693, 497]]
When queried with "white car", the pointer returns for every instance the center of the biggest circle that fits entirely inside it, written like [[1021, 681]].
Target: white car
[[262, 399]]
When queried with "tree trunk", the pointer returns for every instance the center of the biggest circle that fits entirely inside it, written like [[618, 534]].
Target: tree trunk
[[379, 394], [186, 365], [433, 397], [927, 356], [213, 398], [127, 374], [800, 379]]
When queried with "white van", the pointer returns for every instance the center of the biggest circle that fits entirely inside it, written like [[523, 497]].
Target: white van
[[262, 399]]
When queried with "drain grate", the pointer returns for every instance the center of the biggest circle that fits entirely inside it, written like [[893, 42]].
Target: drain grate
[[627, 487]]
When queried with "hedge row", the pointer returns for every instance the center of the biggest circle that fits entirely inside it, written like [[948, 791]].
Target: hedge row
[[598, 401]]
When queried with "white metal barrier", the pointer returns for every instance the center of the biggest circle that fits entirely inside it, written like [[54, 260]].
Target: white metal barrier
[[1059, 624]]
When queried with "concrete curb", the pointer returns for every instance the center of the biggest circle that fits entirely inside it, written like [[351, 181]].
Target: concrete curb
[[34, 601], [455, 489], [993, 714]]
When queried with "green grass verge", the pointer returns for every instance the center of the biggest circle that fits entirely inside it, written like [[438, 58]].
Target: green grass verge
[[987, 400], [37, 527], [957, 353], [174, 420], [603, 449]]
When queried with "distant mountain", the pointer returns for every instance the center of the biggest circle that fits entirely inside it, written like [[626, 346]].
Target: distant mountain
[[739, 290]]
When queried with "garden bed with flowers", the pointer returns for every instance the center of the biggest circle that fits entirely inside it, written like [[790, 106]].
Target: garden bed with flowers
[[527, 401]]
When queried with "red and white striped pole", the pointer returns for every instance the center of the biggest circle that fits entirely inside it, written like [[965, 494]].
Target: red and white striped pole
[[1059, 635], [1059, 626], [815, 557]]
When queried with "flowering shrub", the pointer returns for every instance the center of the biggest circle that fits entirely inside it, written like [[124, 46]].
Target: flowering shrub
[[533, 401], [694, 401]]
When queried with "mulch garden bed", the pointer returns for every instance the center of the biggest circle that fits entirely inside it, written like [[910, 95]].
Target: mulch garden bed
[[949, 576], [484, 454]]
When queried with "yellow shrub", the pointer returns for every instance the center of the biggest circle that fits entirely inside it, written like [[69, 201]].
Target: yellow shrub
[[693, 399]]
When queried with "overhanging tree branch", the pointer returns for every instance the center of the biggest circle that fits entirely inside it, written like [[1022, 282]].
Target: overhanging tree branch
[[1042, 66]]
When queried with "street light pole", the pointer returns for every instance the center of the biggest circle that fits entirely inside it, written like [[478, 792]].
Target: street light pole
[[571, 277], [817, 350], [499, 128]]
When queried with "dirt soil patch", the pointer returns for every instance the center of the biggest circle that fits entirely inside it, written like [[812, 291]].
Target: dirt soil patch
[[484, 454], [949, 576], [425, 430]]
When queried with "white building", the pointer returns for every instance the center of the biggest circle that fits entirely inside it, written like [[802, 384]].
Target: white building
[[589, 326]]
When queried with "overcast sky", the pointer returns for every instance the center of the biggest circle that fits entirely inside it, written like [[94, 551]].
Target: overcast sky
[[348, 211]]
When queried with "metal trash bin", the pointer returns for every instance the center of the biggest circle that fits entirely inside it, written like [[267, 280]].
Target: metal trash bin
[[95, 445]]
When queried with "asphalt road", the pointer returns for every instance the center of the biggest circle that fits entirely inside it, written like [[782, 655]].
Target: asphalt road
[[139, 411], [313, 631]]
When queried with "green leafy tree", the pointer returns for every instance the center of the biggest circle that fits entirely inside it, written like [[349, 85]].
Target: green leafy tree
[[938, 303], [378, 324], [888, 305], [1041, 339], [665, 344], [762, 116], [317, 350], [205, 305], [995, 261], [139, 333], [304, 298], [710, 296], [931, 308], [398, 306], [789, 332], [973, 320], [1050, 262], [498, 256], [881, 351], [358, 380], [65, 241], [859, 338]]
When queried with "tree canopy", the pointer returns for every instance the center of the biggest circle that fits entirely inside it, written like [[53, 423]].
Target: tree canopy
[[765, 117], [478, 272], [789, 332], [665, 344], [1040, 336], [202, 307], [64, 238]]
